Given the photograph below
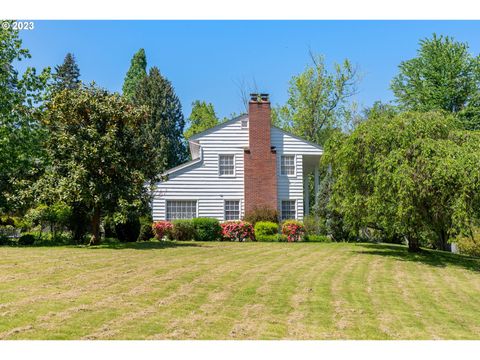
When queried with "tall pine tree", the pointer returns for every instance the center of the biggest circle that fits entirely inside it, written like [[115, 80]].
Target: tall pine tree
[[136, 73], [67, 75], [164, 129]]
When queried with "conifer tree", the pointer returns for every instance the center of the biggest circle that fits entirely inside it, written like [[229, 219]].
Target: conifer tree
[[67, 75], [136, 73]]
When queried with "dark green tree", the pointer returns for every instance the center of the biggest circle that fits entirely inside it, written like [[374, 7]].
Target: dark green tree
[[201, 118], [67, 75], [135, 74], [21, 135], [443, 76], [95, 158], [163, 131]]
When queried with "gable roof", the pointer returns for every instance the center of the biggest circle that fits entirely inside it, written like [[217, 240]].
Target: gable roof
[[216, 127], [298, 138]]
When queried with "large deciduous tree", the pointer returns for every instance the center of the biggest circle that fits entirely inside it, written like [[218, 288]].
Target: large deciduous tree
[[163, 130], [21, 135], [318, 100], [407, 175], [201, 118], [443, 76], [135, 74], [95, 158]]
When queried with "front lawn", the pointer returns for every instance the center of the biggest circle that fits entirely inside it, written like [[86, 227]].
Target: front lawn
[[224, 290]]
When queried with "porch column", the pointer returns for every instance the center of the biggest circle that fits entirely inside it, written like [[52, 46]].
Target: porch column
[[316, 184], [306, 194]]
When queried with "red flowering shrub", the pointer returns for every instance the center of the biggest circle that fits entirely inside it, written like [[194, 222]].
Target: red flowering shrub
[[162, 228], [293, 230], [237, 231]]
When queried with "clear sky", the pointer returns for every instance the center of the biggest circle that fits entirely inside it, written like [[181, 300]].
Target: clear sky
[[205, 59]]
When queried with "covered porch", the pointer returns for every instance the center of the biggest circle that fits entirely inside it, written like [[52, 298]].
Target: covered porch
[[311, 182]]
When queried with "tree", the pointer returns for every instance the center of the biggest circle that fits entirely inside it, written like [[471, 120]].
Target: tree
[[135, 75], [21, 135], [163, 130], [317, 102], [95, 158], [443, 76], [410, 175], [201, 118], [67, 75]]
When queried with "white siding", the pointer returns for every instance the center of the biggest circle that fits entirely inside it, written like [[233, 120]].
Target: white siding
[[201, 181], [291, 187]]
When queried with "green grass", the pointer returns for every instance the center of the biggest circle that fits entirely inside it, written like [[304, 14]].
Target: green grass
[[237, 291]]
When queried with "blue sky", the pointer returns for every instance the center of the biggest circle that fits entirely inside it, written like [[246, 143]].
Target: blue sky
[[205, 59]]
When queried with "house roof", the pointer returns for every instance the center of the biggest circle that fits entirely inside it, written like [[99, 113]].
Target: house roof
[[212, 129], [298, 138]]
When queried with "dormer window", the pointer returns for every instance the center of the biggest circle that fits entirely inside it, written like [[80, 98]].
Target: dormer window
[[226, 165], [244, 123]]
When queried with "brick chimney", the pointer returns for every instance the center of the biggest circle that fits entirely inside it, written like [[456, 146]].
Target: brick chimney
[[260, 158]]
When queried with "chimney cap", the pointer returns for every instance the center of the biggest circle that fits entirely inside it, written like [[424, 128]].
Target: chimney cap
[[259, 97]]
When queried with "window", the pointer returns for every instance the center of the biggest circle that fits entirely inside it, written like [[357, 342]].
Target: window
[[287, 166], [244, 123], [226, 165], [232, 209], [288, 209], [181, 209]]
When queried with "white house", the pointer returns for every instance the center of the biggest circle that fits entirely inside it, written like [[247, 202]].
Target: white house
[[238, 165]]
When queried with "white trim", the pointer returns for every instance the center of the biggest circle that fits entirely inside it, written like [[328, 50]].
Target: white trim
[[234, 165], [212, 129]]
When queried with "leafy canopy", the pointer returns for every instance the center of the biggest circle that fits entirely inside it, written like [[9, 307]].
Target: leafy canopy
[[202, 117]]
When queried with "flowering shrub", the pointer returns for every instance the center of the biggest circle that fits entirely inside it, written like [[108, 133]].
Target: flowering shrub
[[162, 228], [237, 231], [293, 230]]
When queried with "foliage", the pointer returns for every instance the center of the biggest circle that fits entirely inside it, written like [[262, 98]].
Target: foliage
[[21, 135], [293, 230], [202, 117], [161, 134], [314, 225], [406, 175], [317, 238], [146, 233], [67, 75], [443, 76], [183, 230], [238, 231], [318, 100], [266, 228], [262, 213], [55, 216], [26, 240], [162, 229], [469, 244], [207, 229], [135, 74], [129, 230], [271, 238], [94, 157]]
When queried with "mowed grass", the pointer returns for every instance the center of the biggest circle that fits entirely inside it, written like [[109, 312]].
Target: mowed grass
[[237, 291]]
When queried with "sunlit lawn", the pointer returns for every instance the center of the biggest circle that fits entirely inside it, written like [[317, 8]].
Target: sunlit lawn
[[237, 291]]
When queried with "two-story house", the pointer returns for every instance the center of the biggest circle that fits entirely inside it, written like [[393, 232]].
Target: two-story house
[[238, 165]]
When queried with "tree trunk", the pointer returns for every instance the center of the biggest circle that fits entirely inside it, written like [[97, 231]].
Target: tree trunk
[[413, 244], [95, 239], [443, 241]]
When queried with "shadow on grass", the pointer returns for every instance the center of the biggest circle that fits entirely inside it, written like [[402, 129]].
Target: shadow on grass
[[147, 245], [428, 257]]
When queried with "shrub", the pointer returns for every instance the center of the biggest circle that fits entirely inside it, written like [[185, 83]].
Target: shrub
[[317, 238], [238, 231], [271, 238], [26, 239], [469, 245], [266, 228], [207, 229], [4, 240], [293, 230], [128, 231], [146, 233], [162, 229], [183, 230], [262, 214], [314, 225]]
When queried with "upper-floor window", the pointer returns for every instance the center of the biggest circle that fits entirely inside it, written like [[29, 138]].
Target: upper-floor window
[[181, 209], [226, 165], [287, 165], [244, 123]]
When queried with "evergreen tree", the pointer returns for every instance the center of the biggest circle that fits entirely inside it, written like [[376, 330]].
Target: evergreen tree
[[67, 75], [136, 73], [164, 128], [202, 118]]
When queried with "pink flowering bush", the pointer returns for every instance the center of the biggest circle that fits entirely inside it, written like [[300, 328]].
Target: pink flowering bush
[[293, 230], [237, 231], [162, 228]]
